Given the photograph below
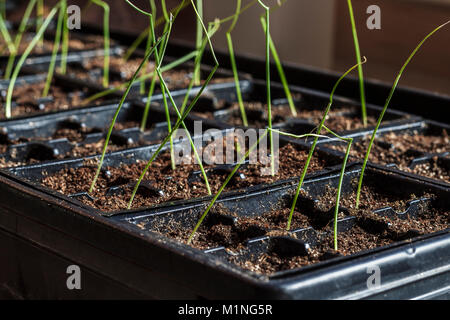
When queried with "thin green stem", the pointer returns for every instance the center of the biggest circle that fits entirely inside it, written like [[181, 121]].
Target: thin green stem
[[168, 67], [313, 147], [234, 67], [106, 36], [223, 186], [183, 117], [56, 44], [113, 122], [388, 101], [18, 38], [198, 41], [339, 192], [358, 59], [281, 73], [65, 40], [40, 19], [144, 34], [269, 98], [7, 36], [23, 57]]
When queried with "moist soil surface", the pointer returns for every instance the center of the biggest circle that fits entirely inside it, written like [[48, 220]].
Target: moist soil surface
[[338, 120], [29, 101], [368, 230], [122, 71], [401, 150], [77, 138], [163, 184]]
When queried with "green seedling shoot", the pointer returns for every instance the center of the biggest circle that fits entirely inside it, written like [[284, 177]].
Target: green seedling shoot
[[199, 40], [144, 34], [388, 101], [313, 146], [269, 98], [65, 39], [233, 64], [18, 38], [360, 68], [24, 56], [185, 114], [56, 44], [40, 20], [280, 69], [116, 114], [106, 35]]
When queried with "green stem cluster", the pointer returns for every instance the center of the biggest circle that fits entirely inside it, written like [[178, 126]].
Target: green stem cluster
[[183, 116], [386, 105]]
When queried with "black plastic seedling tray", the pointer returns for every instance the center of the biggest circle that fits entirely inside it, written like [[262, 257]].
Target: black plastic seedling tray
[[126, 254], [124, 249]]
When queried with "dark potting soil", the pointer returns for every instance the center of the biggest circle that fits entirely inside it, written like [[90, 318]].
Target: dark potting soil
[[175, 79], [168, 185], [29, 101], [89, 42], [401, 149], [369, 231]]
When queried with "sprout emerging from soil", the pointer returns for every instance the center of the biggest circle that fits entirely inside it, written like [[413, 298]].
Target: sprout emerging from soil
[[388, 101], [358, 59], [313, 146], [24, 56]]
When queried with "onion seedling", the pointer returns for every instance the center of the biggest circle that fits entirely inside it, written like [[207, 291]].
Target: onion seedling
[[184, 115], [269, 98], [313, 146], [24, 56], [144, 34], [233, 64], [388, 101], [106, 36], [56, 44], [116, 114], [199, 40], [18, 38], [360, 68], [40, 20], [280, 69]]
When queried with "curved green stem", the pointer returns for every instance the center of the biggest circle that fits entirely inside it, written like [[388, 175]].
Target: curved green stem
[[199, 40], [388, 101], [313, 147], [24, 56], [227, 180]]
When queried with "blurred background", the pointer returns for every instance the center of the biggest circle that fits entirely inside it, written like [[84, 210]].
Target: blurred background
[[318, 33]]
